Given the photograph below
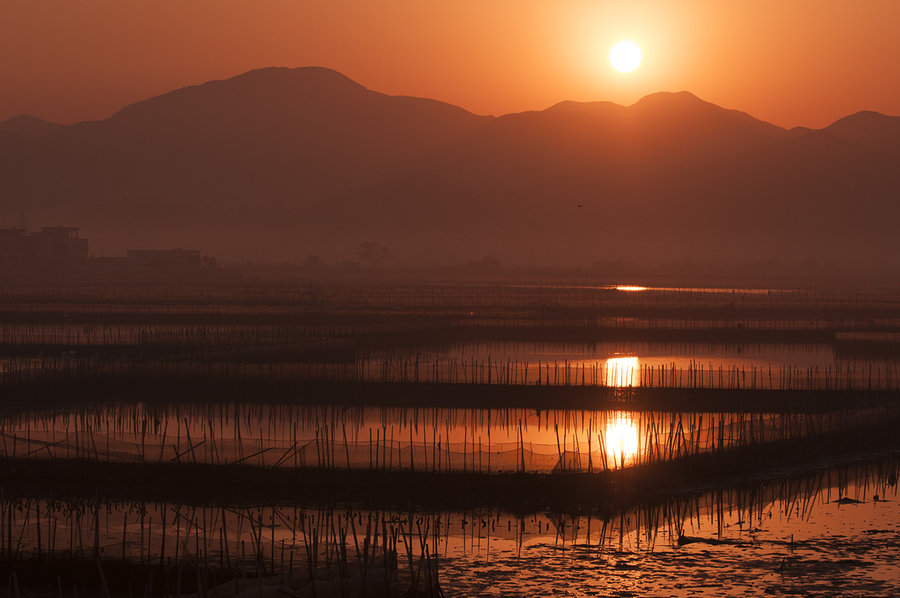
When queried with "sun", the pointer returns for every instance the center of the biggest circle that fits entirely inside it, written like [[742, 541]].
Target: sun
[[625, 56]]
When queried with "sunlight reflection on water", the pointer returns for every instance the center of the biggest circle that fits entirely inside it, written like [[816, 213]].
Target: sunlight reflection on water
[[621, 439], [622, 371]]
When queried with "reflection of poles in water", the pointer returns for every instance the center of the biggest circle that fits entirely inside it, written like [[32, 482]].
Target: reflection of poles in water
[[139, 433], [326, 536]]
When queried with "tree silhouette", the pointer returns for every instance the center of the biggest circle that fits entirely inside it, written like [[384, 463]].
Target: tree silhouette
[[372, 253]]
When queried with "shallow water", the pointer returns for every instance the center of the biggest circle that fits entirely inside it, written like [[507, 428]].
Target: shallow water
[[423, 439], [785, 536], [804, 544], [632, 364]]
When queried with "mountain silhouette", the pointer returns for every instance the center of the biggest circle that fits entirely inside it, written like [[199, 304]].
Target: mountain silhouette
[[866, 126], [28, 126], [278, 163]]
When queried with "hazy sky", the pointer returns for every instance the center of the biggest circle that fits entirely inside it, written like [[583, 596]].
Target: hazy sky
[[792, 62]]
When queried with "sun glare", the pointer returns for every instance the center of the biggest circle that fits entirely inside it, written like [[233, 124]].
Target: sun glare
[[621, 439], [625, 56]]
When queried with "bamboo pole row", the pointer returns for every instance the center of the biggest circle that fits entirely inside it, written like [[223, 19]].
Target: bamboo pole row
[[863, 376], [329, 547], [433, 440], [376, 551]]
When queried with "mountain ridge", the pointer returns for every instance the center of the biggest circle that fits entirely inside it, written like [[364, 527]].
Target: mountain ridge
[[338, 76], [28, 126], [277, 163]]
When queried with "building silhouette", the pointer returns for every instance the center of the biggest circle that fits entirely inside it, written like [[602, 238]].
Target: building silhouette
[[59, 253], [48, 246]]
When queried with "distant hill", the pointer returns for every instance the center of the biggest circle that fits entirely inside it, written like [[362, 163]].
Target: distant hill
[[866, 126], [28, 126], [277, 163]]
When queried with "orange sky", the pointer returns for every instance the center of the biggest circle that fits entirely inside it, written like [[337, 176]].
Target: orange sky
[[791, 62]]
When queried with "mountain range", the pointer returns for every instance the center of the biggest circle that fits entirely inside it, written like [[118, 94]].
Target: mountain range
[[276, 164]]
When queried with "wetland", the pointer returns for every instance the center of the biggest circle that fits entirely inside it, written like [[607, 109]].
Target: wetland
[[448, 439]]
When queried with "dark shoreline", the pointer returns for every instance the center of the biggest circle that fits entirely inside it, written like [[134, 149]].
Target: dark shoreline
[[76, 391]]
